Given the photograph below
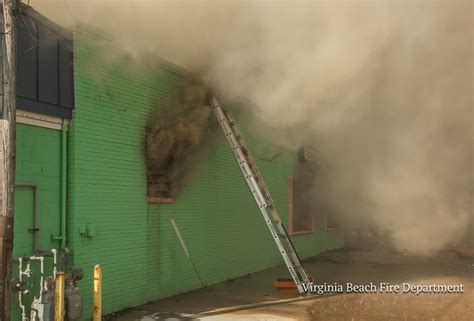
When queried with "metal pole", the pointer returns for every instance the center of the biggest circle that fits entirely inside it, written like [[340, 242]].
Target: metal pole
[[63, 184], [97, 316], [59, 297], [180, 238], [9, 9]]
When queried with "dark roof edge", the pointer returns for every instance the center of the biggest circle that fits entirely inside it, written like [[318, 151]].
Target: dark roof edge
[[35, 15], [44, 108]]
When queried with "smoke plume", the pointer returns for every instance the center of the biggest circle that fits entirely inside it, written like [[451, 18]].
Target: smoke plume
[[383, 90], [176, 135]]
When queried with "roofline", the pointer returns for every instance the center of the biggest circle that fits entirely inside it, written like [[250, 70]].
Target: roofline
[[40, 18]]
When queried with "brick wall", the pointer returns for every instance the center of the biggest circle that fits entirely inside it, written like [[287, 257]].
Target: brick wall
[[134, 241], [38, 160]]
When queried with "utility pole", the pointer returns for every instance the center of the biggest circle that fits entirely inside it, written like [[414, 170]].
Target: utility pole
[[9, 9]]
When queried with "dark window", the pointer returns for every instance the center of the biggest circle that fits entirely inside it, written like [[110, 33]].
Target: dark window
[[331, 222], [299, 220], [158, 188], [301, 198]]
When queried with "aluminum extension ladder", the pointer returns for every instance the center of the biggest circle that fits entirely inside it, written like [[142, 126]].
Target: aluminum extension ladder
[[261, 194]]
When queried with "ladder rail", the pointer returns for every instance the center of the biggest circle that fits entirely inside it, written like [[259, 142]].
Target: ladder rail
[[257, 171], [227, 115], [260, 193], [250, 160], [240, 158]]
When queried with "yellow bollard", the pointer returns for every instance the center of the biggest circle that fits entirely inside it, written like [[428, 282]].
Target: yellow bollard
[[59, 297], [97, 293]]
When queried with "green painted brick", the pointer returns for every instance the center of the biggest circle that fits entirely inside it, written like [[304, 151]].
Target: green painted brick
[[37, 161], [134, 242]]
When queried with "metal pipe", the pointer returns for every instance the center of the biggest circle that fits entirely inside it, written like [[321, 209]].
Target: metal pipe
[[55, 263], [180, 238], [63, 183], [20, 293], [63, 195], [54, 254], [35, 230], [59, 297], [97, 313], [43, 286]]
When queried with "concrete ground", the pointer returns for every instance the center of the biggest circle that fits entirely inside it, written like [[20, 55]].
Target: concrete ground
[[254, 298]]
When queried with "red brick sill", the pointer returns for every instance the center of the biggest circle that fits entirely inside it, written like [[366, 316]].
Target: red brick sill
[[301, 232], [166, 200]]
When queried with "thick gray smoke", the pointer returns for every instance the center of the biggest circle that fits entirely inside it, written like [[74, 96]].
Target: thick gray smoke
[[177, 134], [383, 89]]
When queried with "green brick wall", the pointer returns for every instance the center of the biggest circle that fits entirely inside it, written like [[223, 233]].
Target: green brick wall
[[38, 160], [134, 242]]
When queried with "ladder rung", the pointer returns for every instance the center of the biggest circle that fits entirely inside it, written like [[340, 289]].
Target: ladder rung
[[257, 186]]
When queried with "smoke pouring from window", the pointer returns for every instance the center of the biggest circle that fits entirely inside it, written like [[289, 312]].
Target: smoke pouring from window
[[177, 135], [383, 90]]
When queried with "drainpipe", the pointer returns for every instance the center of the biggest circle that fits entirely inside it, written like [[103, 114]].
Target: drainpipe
[[35, 230], [62, 236], [63, 183]]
